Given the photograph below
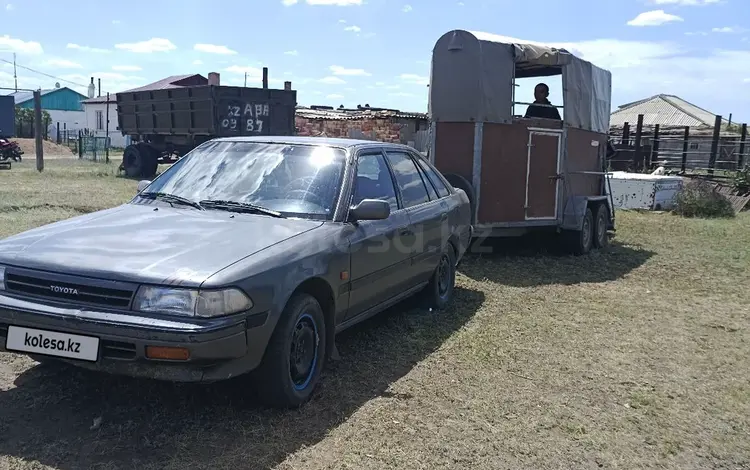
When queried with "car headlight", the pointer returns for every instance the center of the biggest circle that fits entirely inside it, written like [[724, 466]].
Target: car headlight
[[2, 277], [191, 302]]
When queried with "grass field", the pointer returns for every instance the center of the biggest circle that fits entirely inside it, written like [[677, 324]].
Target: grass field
[[636, 357]]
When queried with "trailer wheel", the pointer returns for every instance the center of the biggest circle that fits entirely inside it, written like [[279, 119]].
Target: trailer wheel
[[581, 241], [458, 181], [600, 226]]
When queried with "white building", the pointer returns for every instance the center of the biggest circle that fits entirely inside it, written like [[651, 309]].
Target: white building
[[95, 110]]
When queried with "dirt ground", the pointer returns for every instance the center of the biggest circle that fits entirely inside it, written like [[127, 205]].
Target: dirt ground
[[50, 149], [635, 357]]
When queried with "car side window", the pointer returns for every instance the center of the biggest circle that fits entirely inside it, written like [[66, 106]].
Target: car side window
[[430, 187], [433, 177], [374, 181], [413, 190]]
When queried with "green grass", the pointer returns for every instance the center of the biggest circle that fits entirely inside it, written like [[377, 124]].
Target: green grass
[[634, 357]]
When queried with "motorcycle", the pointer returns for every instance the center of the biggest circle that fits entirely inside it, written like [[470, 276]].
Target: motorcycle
[[10, 150]]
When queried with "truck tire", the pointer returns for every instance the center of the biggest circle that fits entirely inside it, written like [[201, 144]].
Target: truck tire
[[140, 161], [150, 158]]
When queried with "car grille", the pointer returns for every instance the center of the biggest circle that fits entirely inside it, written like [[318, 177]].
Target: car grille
[[67, 291]]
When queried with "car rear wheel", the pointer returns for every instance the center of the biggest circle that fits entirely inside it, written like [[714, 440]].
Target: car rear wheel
[[439, 292], [295, 355], [600, 226], [579, 242]]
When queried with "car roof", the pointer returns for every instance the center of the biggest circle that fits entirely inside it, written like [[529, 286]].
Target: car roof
[[309, 140]]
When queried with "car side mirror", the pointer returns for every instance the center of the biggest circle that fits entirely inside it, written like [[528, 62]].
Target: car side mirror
[[370, 209], [142, 184]]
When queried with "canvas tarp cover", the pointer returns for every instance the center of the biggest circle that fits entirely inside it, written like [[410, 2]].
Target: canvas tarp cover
[[472, 80]]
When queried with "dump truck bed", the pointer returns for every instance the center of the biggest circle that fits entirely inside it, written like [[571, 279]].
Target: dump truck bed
[[208, 110]]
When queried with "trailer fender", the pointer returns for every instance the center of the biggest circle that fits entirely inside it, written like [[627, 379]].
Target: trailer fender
[[458, 181], [575, 208]]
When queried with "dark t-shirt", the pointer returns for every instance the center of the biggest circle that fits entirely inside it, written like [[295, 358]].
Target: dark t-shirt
[[534, 111]]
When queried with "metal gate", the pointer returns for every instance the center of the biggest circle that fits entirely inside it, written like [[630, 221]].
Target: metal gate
[[94, 148]]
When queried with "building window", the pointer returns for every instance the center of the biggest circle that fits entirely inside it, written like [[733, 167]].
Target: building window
[[99, 120]]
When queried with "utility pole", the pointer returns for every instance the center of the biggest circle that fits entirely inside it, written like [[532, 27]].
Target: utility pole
[[245, 79], [15, 77]]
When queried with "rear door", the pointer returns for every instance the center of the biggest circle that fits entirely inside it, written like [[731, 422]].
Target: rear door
[[427, 213], [379, 262], [542, 175]]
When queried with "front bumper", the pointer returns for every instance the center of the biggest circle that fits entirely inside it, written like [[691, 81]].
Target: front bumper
[[218, 348]]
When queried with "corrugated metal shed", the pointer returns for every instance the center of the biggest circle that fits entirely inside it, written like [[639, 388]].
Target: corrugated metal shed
[[665, 110], [60, 99]]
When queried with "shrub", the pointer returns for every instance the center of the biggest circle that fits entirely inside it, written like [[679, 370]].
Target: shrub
[[741, 182], [700, 199]]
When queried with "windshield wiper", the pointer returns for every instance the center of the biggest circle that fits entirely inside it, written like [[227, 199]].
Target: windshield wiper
[[239, 207], [171, 198]]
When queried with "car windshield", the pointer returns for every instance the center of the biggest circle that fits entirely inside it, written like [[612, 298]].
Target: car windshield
[[294, 180]]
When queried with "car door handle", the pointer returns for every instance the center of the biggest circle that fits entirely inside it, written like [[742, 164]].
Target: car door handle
[[405, 231]]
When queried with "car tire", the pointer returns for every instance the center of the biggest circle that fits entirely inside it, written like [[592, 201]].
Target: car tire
[[579, 242], [281, 381], [439, 291], [601, 217]]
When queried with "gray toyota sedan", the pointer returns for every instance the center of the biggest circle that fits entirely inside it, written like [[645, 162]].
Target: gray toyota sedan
[[246, 255]]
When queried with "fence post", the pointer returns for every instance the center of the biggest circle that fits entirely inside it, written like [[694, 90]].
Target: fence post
[[106, 134], [685, 143], [38, 130], [625, 134], [654, 147], [80, 144], [637, 160], [714, 145], [741, 156], [57, 138]]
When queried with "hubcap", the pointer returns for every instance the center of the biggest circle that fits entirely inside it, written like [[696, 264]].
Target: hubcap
[[303, 355], [444, 276]]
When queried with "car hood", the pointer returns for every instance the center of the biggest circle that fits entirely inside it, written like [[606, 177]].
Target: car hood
[[152, 243]]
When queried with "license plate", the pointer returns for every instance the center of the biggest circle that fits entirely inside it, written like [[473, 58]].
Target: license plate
[[52, 343]]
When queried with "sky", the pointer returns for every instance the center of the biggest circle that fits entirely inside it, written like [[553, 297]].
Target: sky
[[377, 52]]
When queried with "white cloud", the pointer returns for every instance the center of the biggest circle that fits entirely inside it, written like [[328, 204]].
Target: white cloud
[[342, 21], [335, 96], [684, 2], [9, 7], [197, 62], [338, 3], [147, 47], [295, 53], [414, 79], [86, 48], [353, 28], [653, 18], [214, 49], [460, 4], [407, 8], [339, 70], [696, 33], [111, 82], [9, 44], [332, 81], [62, 64], [728, 30], [126, 68], [116, 21]]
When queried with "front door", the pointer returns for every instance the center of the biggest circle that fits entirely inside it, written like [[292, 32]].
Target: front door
[[380, 262], [543, 174]]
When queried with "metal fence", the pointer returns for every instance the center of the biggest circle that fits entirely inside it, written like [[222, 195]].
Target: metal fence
[[93, 148], [680, 149]]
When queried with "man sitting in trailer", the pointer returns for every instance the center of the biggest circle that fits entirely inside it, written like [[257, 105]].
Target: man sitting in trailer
[[541, 92]]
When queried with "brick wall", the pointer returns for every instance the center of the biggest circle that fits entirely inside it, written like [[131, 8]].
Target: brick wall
[[382, 130]]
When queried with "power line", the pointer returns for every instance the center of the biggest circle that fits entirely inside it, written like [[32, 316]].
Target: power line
[[45, 74]]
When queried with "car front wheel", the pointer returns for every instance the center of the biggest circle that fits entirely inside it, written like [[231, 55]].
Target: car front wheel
[[295, 355]]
